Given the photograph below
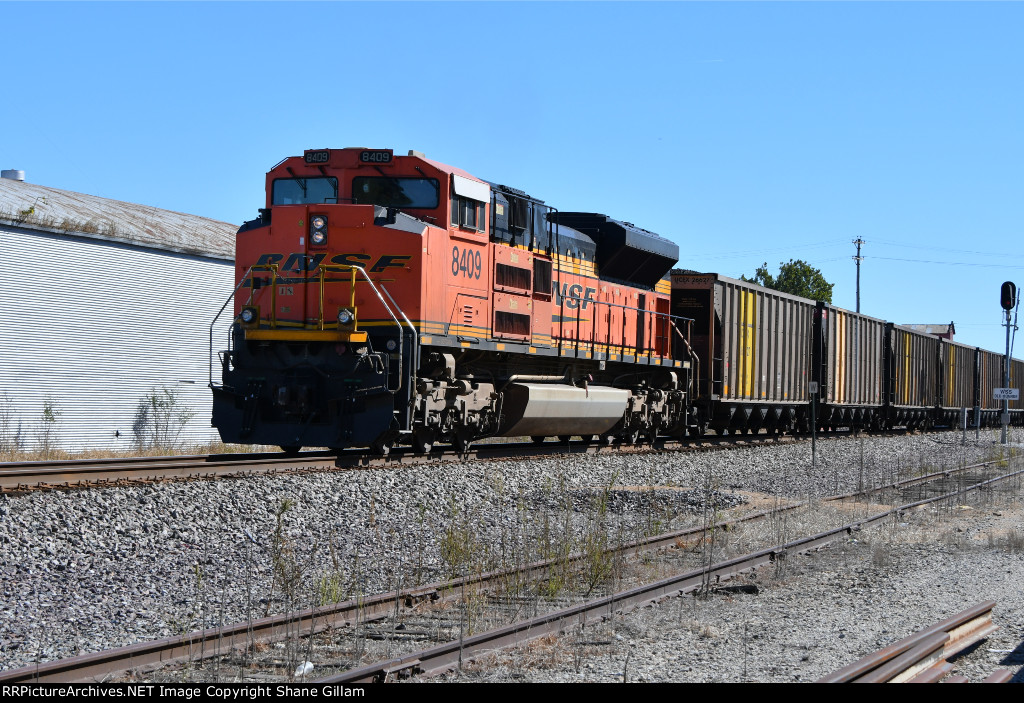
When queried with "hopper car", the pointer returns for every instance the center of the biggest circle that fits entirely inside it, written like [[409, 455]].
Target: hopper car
[[384, 299], [780, 363]]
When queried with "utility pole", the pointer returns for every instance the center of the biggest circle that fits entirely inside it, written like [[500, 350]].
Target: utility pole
[[858, 241]]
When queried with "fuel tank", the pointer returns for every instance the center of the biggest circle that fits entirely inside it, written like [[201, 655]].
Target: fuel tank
[[556, 409]]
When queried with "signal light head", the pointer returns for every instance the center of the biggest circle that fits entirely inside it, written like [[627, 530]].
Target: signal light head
[[1008, 295]]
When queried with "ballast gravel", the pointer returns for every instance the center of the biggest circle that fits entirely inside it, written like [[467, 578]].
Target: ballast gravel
[[86, 570]]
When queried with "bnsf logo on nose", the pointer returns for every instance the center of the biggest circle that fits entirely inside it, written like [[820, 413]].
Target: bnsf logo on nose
[[310, 262]]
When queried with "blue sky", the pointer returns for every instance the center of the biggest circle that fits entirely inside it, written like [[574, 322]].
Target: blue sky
[[745, 132]]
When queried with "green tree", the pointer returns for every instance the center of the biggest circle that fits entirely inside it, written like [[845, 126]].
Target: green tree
[[796, 278]]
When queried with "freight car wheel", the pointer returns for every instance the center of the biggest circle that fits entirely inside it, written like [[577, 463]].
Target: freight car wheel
[[564, 438], [291, 448], [538, 439]]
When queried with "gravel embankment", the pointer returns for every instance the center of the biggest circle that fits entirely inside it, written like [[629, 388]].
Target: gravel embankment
[[820, 613], [92, 569]]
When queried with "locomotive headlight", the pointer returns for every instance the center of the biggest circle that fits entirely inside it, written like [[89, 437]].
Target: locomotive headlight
[[318, 230], [250, 315], [346, 317]]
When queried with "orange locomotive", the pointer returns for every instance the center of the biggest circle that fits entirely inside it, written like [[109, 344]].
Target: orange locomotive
[[387, 299]]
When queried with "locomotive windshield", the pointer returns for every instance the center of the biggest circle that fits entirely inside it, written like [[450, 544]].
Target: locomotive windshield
[[396, 192], [299, 191]]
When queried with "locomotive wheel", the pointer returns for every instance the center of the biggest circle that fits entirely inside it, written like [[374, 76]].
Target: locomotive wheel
[[462, 440], [291, 448], [382, 447], [423, 441], [538, 439]]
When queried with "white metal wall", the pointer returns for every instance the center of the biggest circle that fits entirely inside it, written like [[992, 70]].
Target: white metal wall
[[94, 326]]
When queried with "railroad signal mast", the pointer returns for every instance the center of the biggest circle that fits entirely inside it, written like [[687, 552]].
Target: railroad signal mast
[[1008, 300]]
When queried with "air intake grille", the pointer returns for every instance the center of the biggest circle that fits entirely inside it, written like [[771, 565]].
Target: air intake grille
[[511, 323], [512, 277], [542, 277]]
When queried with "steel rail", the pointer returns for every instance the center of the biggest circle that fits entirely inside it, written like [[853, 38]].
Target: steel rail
[[31, 475], [78, 473], [920, 656], [999, 676], [445, 657], [914, 481]]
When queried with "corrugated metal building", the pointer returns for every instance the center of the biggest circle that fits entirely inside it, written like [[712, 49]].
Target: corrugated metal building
[[103, 304]]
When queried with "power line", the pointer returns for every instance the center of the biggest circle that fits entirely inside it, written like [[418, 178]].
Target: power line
[[945, 263], [1001, 255], [789, 248]]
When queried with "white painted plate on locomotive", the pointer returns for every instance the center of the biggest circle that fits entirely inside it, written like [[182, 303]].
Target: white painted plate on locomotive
[[550, 409]]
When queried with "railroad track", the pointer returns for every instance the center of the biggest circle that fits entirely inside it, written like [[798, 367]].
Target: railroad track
[[446, 657], [223, 640], [27, 476], [924, 656], [20, 477]]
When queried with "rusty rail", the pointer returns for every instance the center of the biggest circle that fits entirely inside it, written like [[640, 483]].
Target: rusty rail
[[921, 657], [447, 656]]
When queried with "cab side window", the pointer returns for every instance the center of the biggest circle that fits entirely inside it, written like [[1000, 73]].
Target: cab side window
[[467, 214]]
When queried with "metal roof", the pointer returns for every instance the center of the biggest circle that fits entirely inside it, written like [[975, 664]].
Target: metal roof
[[63, 212]]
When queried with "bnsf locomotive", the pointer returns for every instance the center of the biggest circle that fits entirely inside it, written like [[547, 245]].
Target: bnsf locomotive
[[387, 299]]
